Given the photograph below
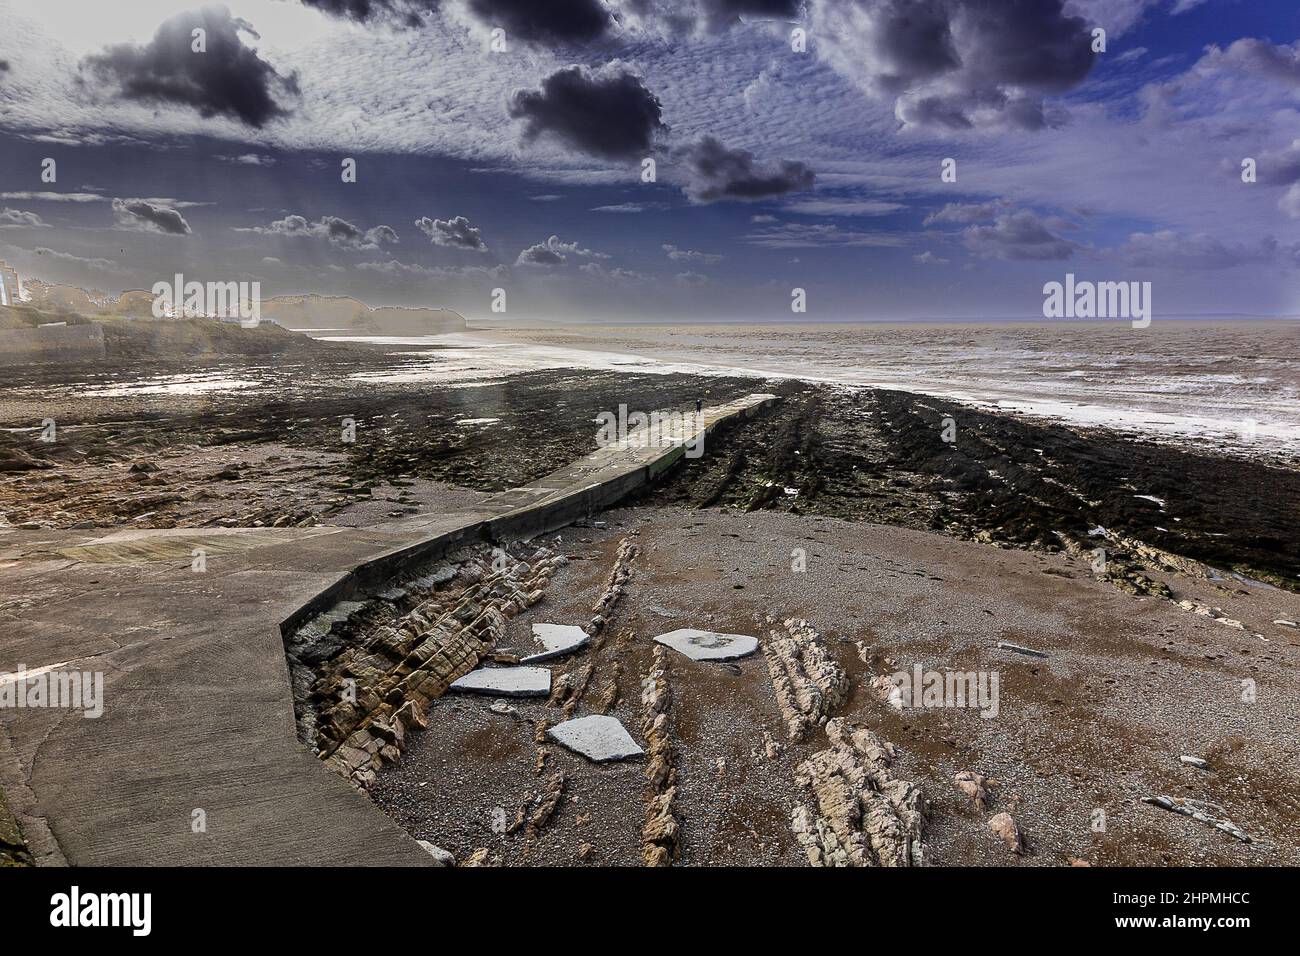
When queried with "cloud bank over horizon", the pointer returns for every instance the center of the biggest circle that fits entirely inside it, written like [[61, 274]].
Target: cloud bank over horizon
[[558, 150]]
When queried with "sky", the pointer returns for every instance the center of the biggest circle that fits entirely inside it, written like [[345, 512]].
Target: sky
[[796, 144]]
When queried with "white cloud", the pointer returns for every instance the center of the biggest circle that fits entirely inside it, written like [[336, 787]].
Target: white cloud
[[793, 235], [1167, 249], [333, 229], [20, 218], [554, 252], [54, 197], [690, 255]]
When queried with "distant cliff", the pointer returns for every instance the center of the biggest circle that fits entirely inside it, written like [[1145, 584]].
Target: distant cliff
[[321, 312], [30, 336], [52, 297], [311, 312], [71, 300]]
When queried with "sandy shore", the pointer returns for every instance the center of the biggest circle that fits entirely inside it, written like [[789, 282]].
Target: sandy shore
[[1129, 686]]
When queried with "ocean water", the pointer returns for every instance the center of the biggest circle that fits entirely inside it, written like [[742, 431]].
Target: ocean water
[[1230, 386]]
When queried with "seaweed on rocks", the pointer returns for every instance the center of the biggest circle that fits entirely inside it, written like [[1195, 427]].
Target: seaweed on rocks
[[882, 456]]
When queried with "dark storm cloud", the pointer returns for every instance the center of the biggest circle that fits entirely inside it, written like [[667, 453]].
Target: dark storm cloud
[[1029, 43], [229, 79], [1018, 235], [608, 113], [957, 64], [409, 12], [717, 172], [149, 217], [556, 21], [455, 232], [333, 229]]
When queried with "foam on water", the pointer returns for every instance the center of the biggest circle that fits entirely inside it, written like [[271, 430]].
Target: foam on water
[[1168, 390]]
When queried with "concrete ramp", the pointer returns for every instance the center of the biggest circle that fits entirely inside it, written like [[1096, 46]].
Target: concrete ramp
[[195, 758]]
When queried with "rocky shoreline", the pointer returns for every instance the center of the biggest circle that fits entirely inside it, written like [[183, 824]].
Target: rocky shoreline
[[286, 444], [274, 454], [906, 533], [877, 455]]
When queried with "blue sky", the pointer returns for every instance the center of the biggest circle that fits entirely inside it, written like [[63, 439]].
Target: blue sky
[[775, 169]]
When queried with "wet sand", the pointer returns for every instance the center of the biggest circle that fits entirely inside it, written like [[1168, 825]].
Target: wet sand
[[255, 443]]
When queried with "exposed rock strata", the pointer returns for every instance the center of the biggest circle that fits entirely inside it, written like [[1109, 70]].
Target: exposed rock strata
[[375, 686], [615, 585], [539, 808], [808, 683], [1126, 562], [864, 815], [1201, 811], [13, 849], [659, 836]]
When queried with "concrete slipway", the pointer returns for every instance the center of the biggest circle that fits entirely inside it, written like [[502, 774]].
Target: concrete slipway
[[198, 713]]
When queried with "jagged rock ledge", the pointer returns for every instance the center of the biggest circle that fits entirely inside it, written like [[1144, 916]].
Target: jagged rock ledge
[[364, 673]]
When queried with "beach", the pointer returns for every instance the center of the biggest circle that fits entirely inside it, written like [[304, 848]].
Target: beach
[[1141, 579]]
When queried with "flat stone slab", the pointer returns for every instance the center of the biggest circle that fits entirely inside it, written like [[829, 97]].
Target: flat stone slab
[[597, 738], [709, 645], [556, 641], [506, 681]]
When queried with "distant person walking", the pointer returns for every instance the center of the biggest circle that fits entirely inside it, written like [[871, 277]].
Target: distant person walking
[[699, 403]]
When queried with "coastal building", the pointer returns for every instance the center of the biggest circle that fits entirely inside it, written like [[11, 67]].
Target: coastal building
[[9, 285]]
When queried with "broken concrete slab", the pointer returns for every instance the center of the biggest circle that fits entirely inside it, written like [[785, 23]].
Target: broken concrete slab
[[556, 641], [597, 738], [1008, 646], [708, 645], [506, 681]]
